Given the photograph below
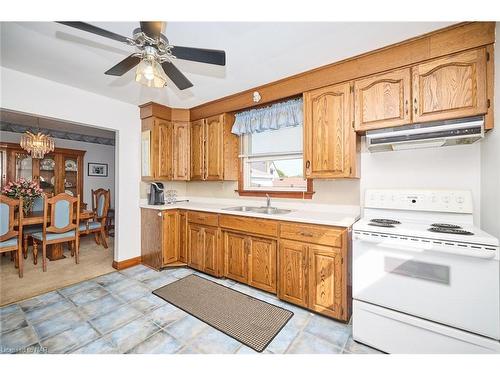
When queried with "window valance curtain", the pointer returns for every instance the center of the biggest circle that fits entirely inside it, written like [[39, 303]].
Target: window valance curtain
[[277, 116]]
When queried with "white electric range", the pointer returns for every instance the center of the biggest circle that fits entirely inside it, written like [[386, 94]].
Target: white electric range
[[425, 280]]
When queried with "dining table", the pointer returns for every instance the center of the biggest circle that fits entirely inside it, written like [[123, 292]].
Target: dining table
[[54, 251]]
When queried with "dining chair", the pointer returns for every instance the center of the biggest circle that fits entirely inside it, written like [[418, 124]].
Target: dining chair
[[63, 226], [10, 239], [38, 205], [100, 207]]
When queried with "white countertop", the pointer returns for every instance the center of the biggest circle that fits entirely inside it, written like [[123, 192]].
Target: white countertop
[[302, 211]]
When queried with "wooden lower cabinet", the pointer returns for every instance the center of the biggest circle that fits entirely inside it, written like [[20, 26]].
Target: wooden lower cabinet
[[313, 276], [203, 250], [170, 237], [182, 222], [250, 260], [293, 272]]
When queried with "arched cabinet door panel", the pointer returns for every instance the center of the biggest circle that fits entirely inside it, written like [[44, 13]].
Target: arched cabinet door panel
[[450, 87]]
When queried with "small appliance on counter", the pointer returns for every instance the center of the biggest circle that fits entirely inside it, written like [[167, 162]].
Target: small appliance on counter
[[156, 194]]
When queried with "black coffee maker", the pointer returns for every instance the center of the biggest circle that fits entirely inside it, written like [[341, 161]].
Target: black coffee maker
[[156, 194]]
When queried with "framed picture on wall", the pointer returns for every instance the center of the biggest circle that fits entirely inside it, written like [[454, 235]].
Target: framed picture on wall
[[97, 170]]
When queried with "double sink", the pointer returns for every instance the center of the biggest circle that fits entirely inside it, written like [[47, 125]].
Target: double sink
[[259, 210]]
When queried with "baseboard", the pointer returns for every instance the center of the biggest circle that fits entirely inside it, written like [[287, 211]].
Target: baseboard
[[126, 263]]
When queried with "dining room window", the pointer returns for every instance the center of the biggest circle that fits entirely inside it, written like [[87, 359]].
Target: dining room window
[[272, 150]]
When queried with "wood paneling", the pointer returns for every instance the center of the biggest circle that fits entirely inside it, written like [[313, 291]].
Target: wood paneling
[[181, 151], [249, 225], [151, 238], [182, 222], [383, 100], [326, 281], [197, 150], [451, 87], [328, 146], [170, 235], [319, 234], [439, 43], [293, 272], [262, 263], [195, 247], [214, 156], [203, 218], [236, 256]]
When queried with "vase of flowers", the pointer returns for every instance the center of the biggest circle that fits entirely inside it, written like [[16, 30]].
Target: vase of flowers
[[28, 190]]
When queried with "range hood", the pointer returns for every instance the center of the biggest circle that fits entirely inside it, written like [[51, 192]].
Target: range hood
[[432, 134]]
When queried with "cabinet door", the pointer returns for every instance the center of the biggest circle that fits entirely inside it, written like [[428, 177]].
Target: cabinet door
[[292, 272], [327, 132], [196, 245], [212, 251], [236, 256], [197, 149], [164, 161], [182, 246], [170, 233], [181, 152], [450, 87], [326, 281], [262, 264], [214, 148], [383, 100]]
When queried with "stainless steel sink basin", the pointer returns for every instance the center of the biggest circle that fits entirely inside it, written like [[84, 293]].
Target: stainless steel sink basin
[[241, 208], [260, 210]]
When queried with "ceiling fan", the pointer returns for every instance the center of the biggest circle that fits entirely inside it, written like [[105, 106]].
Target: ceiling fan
[[154, 54]]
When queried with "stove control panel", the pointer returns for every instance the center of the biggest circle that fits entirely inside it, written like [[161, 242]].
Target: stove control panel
[[458, 201]]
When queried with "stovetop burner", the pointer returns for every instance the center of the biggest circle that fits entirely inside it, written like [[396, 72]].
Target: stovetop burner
[[445, 225], [384, 221], [450, 231], [385, 225]]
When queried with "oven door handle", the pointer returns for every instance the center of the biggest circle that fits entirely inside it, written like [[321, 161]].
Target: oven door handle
[[421, 247]]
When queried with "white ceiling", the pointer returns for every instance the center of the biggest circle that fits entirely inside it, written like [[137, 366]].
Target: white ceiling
[[256, 53]]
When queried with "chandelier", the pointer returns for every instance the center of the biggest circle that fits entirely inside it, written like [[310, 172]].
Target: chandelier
[[37, 145]]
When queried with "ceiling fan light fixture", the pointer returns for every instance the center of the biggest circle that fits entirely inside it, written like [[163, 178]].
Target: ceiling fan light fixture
[[150, 73]]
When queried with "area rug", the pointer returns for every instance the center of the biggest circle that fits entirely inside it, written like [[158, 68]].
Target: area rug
[[249, 320]]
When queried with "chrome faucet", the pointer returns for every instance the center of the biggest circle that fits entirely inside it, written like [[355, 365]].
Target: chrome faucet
[[268, 201]]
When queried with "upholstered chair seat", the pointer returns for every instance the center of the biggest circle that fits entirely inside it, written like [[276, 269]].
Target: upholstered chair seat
[[8, 243], [10, 237], [53, 236], [90, 225]]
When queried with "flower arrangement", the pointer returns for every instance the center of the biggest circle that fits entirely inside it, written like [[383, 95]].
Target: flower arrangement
[[28, 190]]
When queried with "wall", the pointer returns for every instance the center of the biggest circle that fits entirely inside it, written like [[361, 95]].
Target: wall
[[94, 153], [490, 165], [30, 94]]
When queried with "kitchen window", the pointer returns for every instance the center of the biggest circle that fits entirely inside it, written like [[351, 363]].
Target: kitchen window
[[272, 152]]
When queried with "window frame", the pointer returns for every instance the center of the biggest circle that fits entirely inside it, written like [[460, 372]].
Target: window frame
[[244, 190]]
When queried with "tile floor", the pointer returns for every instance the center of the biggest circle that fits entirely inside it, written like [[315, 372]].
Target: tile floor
[[117, 313]]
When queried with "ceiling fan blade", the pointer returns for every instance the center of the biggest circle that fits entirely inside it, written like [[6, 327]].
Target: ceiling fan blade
[[123, 66], [209, 56], [95, 30], [152, 28], [176, 76]]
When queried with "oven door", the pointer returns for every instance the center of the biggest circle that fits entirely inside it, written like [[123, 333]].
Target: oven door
[[459, 290]]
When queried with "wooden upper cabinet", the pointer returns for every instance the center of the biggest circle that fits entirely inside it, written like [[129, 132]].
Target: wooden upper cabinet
[[236, 256], [450, 87], [197, 149], [327, 281], [293, 272], [170, 237], [329, 140], [214, 169], [262, 263], [181, 151], [382, 100], [164, 150]]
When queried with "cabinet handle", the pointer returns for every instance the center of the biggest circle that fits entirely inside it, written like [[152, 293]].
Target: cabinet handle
[[415, 105], [306, 234], [406, 106], [308, 165]]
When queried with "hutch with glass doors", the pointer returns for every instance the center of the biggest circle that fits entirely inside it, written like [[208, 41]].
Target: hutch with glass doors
[[58, 172]]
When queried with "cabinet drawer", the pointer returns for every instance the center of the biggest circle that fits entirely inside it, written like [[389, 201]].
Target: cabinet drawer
[[318, 234], [203, 218], [250, 225]]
